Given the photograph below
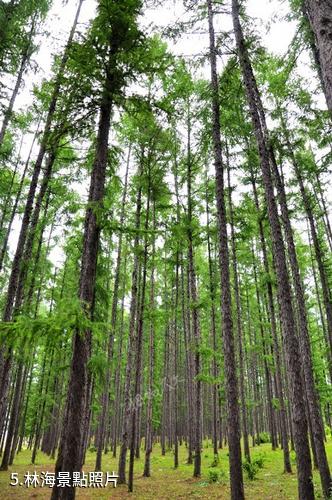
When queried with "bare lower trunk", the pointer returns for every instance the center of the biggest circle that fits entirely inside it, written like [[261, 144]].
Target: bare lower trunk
[[133, 308], [195, 316], [114, 313], [238, 320], [276, 348], [139, 353], [212, 285]]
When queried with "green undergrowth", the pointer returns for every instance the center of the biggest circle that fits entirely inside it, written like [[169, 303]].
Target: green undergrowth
[[269, 481]]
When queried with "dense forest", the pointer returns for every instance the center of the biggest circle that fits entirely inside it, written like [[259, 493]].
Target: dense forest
[[165, 250]]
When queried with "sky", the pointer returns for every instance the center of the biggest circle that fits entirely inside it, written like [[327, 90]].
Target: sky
[[276, 34]]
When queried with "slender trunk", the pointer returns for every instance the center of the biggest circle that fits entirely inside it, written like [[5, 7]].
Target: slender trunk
[[195, 316], [212, 286], [114, 312], [187, 337], [176, 326], [117, 382], [70, 452], [41, 413], [28, 248], [26, 405], [13, 417], [300, 426], [139, 350], [132, 314], [319, 14], [266, 367], [276, 348], [233, 414], [238, 318], [149, 409]]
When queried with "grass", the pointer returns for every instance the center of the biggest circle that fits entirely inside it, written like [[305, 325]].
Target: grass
[[168, 483]]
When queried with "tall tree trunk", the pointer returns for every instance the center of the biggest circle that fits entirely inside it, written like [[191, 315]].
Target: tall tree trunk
[[114, 313], [131, 339], [26, 405], [17, 199], [13, 417], [187, 338], [268, 378], [195, 316], [41, 413], [139, 348], [176, 362], [70, 452], [233, 414], [117, 379], [212, 285], [276, 348], [176, 324], [149, 409], [320, 17], [28, 248], [300, 426], [238, 316]]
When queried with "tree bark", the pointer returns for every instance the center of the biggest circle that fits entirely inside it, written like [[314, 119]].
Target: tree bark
[[276, 348], [149, 409], [233, 416], [17, 200], [320, 17], [238, 317], [139, 348], [70, 452], [195, 315], [212, 286], [131, 339], [114, 313], [300, 425]]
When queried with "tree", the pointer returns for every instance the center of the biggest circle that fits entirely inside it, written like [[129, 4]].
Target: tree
[[228, 336], [319, 14], [123, 34], [289, 332]]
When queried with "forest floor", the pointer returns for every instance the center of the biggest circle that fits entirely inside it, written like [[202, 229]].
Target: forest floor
[[167, 483]]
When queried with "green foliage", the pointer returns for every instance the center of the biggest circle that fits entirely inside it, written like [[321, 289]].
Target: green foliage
[[216, 476], [264, 437], [251, 469], [259, 460]]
